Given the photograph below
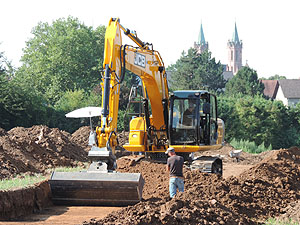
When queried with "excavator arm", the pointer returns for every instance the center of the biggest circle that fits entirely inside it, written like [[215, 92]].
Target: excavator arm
[[145, 63]]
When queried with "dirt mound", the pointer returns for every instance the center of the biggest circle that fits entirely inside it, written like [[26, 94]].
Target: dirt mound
[[81, 137], [2, 132], [263, 191], [155, 175], [257, 194], [36, 149], [292, 212]]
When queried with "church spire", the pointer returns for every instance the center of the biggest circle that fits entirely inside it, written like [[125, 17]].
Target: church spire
[[235, 37], [201, 39], [235, 47], [201, 45]]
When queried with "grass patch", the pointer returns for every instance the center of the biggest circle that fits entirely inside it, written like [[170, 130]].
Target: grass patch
[[23, 181], [18, 182], [250, 146], [69, 169], [273, 221]]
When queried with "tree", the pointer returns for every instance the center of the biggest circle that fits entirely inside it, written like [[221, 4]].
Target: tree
[[65, 55], [2, 69], [245, 82], [195, 71], [275, 77], [259, 120], [6, 68]]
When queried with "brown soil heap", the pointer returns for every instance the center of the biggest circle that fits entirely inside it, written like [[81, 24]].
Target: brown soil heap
[[269, 188], [257, 194], [36, 149]]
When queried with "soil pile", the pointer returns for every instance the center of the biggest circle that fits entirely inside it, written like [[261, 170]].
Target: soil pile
[[155, 176], [81, 137], [37, 149], [292, 212], [268, 189], [257, 194]]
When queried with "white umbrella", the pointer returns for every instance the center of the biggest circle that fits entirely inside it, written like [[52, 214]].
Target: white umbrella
[[85, 112]]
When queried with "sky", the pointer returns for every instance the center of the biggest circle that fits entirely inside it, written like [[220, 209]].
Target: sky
[[269, 29]]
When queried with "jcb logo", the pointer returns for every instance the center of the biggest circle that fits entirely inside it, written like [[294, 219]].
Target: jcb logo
[[140, 60]]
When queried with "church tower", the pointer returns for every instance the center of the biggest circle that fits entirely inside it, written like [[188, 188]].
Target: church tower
[[201, 45], [235, 47]]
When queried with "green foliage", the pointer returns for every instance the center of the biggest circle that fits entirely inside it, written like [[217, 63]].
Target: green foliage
[[196, 71], [65, 55], [273, 221], [123, 121], [20, 105], [130, 79], [250, 146], [258, 120], [2, 68], [245, 82], [71, 100], [275, 77]]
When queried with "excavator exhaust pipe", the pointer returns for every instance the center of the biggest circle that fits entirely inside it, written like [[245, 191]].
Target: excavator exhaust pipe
[[96, 188]]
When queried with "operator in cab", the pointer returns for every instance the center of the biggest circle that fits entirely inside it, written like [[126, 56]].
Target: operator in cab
[[189, 114], [174, 167]]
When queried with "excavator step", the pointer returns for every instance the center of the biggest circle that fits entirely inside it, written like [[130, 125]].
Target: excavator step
[[96, 188]]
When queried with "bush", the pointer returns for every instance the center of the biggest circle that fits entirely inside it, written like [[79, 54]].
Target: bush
[[260, 121], [250, 146]]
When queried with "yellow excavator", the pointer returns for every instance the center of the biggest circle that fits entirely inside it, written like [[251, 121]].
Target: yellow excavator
[[185, 120]]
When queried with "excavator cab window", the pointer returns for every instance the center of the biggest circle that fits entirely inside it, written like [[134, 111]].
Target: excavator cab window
[[184, 121], [193, 120]]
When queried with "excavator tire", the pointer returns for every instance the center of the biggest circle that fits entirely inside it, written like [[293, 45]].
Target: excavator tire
[[96, 188]]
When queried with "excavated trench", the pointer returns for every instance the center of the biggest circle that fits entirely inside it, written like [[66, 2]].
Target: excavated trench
[[252, 189]]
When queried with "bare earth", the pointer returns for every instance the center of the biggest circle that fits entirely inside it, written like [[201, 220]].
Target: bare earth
[[64, 215], [253, 188]]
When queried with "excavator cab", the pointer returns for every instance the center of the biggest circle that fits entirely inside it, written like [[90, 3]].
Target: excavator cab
[[193, 118], [194, 125]]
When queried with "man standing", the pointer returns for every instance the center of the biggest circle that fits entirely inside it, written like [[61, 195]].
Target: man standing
[[174, 167]]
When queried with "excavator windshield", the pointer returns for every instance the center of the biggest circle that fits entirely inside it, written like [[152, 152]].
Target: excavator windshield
[[184, 121], [192, 118]]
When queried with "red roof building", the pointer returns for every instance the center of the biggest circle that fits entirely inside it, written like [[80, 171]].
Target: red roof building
[[271, 88]]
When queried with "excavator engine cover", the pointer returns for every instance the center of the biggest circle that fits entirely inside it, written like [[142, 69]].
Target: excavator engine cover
[[96, 188]]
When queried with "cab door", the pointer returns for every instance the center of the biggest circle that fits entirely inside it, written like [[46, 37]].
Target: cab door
[[213, 120]]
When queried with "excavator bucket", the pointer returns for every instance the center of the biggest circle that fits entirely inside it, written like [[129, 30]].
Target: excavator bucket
[[96, 188]]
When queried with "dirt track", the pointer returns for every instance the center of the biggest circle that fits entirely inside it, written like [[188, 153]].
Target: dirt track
[[262, 186]]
